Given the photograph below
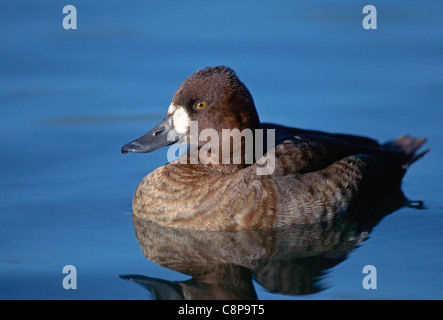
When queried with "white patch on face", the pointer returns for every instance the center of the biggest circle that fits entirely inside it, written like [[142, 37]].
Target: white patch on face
[[172, 108], [180, 120]]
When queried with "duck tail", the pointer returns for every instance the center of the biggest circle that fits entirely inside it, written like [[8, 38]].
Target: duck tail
[[409, 145]]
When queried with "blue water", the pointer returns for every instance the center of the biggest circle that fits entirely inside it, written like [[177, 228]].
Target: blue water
[[69, 99]]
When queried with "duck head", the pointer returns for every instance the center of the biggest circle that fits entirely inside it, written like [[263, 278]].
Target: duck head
[[213, 97]]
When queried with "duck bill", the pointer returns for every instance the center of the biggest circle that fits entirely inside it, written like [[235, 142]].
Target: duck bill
[[160, 136]]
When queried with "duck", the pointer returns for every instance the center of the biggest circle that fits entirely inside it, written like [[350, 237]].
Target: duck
[[236, 173]]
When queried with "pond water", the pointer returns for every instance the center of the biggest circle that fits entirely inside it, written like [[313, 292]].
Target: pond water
[[70, 99]]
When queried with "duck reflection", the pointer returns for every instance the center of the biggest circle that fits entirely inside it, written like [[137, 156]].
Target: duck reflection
[[290, 260]]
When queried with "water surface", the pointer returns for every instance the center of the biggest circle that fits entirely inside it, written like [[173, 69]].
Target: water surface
[[70, 98]]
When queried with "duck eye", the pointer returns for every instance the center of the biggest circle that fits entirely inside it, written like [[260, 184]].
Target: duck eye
[[201, 105]]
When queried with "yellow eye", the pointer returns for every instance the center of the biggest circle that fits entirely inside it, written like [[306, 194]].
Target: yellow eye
[[201, 105]]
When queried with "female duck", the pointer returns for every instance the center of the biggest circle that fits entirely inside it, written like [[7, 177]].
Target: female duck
[[217, 185]]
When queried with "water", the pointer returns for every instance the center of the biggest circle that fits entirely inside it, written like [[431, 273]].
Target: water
[[70, 98]]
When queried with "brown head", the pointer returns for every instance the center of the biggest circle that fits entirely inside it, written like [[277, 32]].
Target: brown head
[[214, 97]]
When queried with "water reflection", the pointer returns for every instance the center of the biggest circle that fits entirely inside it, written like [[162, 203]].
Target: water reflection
[[222, 264]]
